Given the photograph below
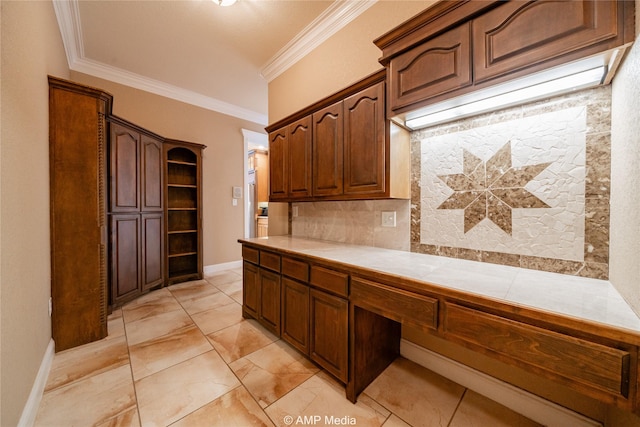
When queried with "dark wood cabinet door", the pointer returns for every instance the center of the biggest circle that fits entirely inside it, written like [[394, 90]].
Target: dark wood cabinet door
[[364, 142], [125, 257], [125, 172], [78, 144], [518, 35], [152, 250], [278, 165], [328, 140], [434, 68], [329, 333], [270, 301], [151, 174], [250, 289], [300, 140], [295, 314]]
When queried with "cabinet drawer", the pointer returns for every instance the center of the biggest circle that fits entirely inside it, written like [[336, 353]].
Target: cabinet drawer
[[546, 352], [330, 280], [434, 68], [397, 304], [295, 269], [250, 254], [270, 261]]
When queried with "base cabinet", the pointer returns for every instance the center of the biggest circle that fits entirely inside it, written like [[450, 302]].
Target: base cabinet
[[295, 314], [305, 305], [261, 294], [330, 333], [269, 304]]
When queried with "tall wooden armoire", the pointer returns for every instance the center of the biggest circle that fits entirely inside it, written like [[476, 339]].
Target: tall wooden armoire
[[78, 191]]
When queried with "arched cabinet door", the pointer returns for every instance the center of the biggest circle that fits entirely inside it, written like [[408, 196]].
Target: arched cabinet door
[[365, 142], [300, 158], [328, 150], [278, 165]]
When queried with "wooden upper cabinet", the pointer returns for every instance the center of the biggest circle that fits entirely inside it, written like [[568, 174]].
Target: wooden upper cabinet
[[460, 46], [278, 165], [125, 172], [518, 35], [300, 146], [152, 172], [341, 148], [328, 150], [436, 67], [365, 142]]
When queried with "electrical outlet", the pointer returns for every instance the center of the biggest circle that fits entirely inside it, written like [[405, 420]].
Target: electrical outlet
[[389, 218], [294, 211]]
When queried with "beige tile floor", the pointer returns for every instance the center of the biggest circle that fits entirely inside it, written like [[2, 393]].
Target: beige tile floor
[[184, 356]]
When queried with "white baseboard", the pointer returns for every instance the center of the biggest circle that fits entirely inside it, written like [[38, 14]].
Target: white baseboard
[[30, 409], [531, 406], [210, 269]]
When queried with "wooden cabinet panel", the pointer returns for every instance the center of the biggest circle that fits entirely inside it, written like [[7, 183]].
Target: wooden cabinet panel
[[269, 311], [330, 280], [365, 145], [270, 260], [328, 150], [152, 171], [152, 250], [330, 333], [250, 289], [278, 165], [295, 314], [520, 35], [545, 352], [300, 145], [396, 304], [436, 67], [125, 257], [125, 172], [250, 254], [298, 270], [78, 149]]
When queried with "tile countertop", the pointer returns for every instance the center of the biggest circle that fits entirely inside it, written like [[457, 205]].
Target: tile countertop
[[584, 298]]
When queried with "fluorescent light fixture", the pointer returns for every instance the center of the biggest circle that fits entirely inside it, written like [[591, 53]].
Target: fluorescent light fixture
[[224, 2], [508, 94]]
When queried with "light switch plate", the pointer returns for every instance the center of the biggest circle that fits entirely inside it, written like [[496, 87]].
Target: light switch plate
[[389, 218], [237, 192]]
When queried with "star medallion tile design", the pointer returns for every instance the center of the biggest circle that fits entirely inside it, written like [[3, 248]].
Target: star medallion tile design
[[492, 189]]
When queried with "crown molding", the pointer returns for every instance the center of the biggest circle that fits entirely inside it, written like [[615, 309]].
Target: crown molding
[[68, 16], [336, 17]]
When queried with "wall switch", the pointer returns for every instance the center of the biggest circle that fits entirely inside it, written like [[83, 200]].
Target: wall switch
[[234, 202], [294, 211], [50, 306], [389, 218]]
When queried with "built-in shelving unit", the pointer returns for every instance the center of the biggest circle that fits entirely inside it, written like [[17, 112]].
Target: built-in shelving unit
[[184, 239]]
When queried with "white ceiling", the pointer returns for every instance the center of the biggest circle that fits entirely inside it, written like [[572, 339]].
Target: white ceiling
[[219, 58]]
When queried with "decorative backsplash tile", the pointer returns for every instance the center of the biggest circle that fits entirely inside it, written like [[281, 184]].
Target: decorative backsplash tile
[[527, 186], [354, 222]]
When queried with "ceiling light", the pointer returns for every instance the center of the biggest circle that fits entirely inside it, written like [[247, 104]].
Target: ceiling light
[[505, 95], [224, 2]]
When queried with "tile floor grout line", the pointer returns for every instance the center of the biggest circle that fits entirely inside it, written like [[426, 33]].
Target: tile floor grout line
[[133, 380], [453, 415], [240, 382]]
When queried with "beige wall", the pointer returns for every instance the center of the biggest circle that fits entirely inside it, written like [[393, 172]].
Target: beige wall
[[31, 49], [343, 59], [624, 270], [223, 224]]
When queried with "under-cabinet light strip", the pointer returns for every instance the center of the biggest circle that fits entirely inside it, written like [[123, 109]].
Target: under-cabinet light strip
[[577, 81]]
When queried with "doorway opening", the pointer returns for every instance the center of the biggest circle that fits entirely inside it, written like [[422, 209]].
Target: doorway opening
[[256, 179]]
